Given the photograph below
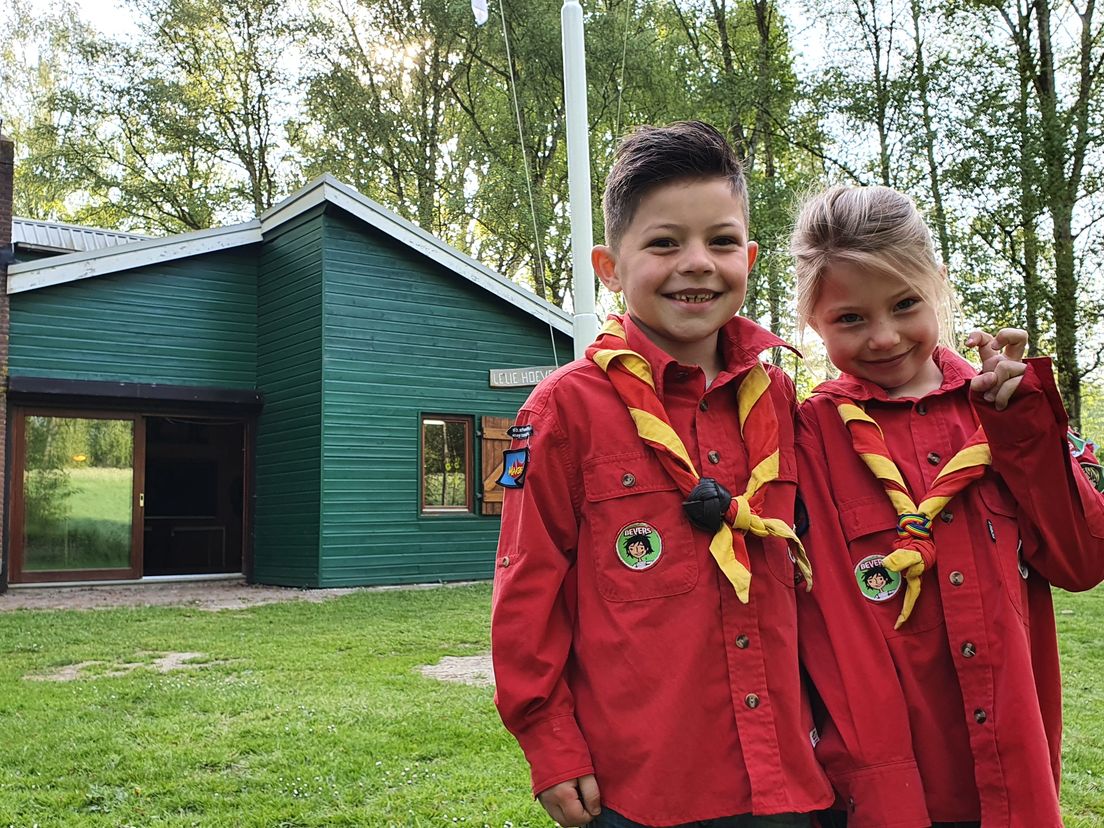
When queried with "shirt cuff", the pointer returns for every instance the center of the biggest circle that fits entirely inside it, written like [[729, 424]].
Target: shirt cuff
[[886, 796], [1037, 392], [556, 752]]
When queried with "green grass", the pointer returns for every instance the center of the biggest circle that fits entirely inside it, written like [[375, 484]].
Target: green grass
[[315, 715], [1081, 642], [95, 533], [101, 494]]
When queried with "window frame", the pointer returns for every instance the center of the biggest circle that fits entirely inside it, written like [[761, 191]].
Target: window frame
[[468, 508]]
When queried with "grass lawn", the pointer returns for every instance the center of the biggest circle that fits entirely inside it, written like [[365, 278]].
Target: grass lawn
[[101, 494], [315, 715]]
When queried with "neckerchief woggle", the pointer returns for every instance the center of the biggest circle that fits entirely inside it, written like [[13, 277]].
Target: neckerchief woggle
[[914, 550], [709, 504]]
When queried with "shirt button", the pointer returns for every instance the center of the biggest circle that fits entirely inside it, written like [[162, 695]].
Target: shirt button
[[714, 457], [968, 649], [751, 700], [980, 716], [504, 561], [628, 480], [742, 641], [946, 517], [921, 409], [933, 458], [703, 405], [956, 578]]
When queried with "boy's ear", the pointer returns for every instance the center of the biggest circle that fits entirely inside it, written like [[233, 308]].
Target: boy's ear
[[753, 254], [604, 262]]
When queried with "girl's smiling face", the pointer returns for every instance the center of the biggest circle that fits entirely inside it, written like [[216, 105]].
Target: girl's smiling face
[[878, 328]]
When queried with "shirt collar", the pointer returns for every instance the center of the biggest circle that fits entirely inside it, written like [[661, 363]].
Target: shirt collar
[[956, 373], [741, 341]]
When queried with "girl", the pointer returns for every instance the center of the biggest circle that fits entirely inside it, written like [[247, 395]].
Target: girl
[[961, 482]]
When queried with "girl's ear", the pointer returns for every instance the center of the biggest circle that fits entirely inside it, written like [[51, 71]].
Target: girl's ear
[[943, 272], [604, 261]]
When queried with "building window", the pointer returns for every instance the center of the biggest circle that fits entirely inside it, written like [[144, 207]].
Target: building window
[[446, 463]]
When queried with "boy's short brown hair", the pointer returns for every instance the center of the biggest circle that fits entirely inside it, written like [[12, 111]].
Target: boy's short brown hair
[[650, 156]]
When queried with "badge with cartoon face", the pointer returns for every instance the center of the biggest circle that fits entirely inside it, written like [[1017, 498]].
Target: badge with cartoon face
[[1095, 474], [639, 546], [876, 583]]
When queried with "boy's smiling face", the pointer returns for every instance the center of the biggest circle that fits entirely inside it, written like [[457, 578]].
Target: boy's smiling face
[[682, 264]]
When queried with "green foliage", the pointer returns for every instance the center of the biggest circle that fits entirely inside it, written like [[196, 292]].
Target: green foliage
[[444, 463]]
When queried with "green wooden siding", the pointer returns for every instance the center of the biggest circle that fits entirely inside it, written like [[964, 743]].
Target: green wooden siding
[[404, 336], [185, 322], [289, 374]]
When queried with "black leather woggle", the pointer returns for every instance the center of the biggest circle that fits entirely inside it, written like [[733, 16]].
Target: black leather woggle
[[707, 504]]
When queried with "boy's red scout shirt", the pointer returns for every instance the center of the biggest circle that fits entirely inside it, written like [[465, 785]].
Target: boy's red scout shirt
[[971, 681], [685, 703]]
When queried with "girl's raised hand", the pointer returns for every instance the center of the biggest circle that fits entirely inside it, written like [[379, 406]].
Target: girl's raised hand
[[1001, 368]]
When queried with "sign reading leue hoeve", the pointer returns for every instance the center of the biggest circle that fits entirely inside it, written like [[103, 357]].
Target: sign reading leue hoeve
[[514, 377]]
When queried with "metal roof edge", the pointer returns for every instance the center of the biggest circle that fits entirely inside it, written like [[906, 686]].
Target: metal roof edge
[[70, 267]]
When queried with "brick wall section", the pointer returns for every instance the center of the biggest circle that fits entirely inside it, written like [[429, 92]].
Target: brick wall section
[[7, 180]]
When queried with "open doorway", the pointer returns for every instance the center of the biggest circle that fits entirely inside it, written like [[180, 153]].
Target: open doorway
[[194, 496]]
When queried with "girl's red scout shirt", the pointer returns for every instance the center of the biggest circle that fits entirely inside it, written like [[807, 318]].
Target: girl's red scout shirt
[[971, 681], [685, 703]]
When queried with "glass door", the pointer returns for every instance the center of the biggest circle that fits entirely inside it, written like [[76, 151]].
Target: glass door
[[76, 497]]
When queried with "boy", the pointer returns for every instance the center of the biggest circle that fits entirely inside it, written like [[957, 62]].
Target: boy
[[663, 689]]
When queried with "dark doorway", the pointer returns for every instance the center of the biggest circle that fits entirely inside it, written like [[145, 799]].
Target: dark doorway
[[194, 494]]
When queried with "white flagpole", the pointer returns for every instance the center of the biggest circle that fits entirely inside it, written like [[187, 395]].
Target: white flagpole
[[578, 174]]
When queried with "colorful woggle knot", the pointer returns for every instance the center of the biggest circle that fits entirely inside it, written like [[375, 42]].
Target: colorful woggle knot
[[914, 526]]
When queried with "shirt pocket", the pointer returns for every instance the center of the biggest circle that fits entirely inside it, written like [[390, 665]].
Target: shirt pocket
[[870, 526], [1002, 530], [630, 496]]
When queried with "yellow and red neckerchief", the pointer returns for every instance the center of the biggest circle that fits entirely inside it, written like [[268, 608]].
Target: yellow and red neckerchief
[[914, 550], [631, 377]]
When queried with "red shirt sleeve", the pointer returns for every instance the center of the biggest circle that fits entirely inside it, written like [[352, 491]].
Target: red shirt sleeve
[[1062, 513], [866, 748], [533, 610]]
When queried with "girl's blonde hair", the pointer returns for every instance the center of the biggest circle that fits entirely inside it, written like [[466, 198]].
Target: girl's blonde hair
[[878, 230]]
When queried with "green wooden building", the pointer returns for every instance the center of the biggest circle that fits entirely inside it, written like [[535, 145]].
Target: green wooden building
[[314, 398]]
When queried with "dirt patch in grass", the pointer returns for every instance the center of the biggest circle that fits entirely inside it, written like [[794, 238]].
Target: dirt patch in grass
[[474, 669], [164, 663]]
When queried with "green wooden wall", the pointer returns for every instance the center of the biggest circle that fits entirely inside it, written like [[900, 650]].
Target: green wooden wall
[[289, 374], [402, 336], [185, 322]]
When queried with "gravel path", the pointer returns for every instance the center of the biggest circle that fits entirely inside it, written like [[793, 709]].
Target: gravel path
[[207, 595]]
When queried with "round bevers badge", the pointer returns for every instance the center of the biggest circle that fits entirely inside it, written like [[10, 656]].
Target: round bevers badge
[[875, 581], [639, 546]]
